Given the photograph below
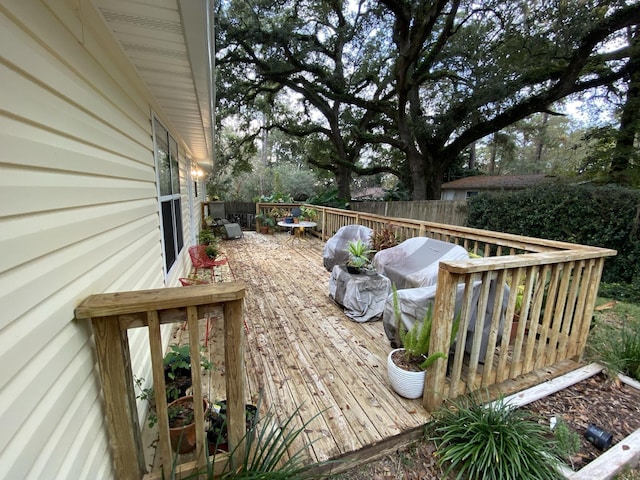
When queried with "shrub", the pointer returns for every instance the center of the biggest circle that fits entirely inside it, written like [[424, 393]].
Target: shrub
[[492, 441], [601, 216]]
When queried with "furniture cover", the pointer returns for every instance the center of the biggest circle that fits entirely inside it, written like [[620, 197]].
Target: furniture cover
[[362, 295], [335, 250], [414, 302], [414, 263]]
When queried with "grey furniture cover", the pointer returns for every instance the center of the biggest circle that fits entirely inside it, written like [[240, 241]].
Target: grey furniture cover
[[414, 263], [414, 303], [335, 250], [362, 295]]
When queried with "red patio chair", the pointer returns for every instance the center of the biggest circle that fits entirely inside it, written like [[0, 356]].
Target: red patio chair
[[200, 259]]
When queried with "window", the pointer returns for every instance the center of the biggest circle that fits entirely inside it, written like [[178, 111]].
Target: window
[[167, 167]]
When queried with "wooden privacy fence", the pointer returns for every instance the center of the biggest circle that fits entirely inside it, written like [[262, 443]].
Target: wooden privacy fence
[[451, 212], [548, 289], [112, 315]]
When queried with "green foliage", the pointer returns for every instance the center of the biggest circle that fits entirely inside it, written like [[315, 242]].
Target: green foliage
[[179, 358], [492, 441], [601, 216], [270, 453], [359, 253], [265, 220], [416, 340], [617, 346], [276, 197], [309, 213], [628, 292], [207, 237], [329, 198], [567, 440]]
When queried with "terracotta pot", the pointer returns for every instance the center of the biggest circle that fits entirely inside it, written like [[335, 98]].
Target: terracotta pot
[[183, 438], [405, 383]]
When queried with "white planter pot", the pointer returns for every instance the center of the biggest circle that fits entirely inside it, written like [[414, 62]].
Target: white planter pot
[[405, 383]]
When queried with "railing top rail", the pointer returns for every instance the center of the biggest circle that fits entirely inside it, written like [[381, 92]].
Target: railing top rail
[[122, 303], [515, 261], [509, 239]]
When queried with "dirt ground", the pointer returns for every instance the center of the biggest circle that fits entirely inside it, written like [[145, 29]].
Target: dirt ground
[[612, 406]]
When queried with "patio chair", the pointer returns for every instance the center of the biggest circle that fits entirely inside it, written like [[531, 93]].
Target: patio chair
[[228, 229], [200, 259]]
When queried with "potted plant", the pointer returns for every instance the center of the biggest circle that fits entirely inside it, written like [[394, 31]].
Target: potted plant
[[182, 426], [177, 370], [359, 252], [265, 222], [309, 213], [217, 436], [407, 365]]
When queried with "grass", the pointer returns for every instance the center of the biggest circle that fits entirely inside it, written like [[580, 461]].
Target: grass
[[614, 340]]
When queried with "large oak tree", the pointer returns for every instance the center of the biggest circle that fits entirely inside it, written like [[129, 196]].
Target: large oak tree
[[424, 78]]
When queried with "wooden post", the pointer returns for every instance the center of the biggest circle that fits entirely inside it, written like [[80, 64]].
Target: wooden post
[[155, 346], [234, 363], [196, 381], [112, 348], [443, 315]]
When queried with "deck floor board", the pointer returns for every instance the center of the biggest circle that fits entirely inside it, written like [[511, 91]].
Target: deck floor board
[[304, 352]]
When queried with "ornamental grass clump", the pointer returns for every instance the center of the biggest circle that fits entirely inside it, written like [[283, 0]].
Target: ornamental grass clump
[[617, 346], [494, 441]]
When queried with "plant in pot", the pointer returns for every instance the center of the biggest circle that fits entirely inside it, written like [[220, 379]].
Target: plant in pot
[[182, 426], [265, 222], [309, 213], [177, 370], [217, 436], [359, 253], [206, 237], [407, 365]]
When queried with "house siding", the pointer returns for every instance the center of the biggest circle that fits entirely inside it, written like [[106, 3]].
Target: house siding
[[78, 216]]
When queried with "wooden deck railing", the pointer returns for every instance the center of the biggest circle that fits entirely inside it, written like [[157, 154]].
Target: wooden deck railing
[[112, 315], [549, 287]]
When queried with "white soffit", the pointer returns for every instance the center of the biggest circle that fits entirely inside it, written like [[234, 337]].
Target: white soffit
[[166, 40]]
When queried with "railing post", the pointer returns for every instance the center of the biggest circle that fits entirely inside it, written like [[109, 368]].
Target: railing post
[[443, 315], [112, 348], [234, 377]]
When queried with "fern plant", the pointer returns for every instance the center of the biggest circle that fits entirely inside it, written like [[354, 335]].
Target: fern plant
[[416, 340]]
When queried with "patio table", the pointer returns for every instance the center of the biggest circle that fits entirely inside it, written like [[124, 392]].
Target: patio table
[[297, 229]]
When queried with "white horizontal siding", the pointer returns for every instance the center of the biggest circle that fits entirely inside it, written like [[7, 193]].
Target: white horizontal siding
[[78, 215]]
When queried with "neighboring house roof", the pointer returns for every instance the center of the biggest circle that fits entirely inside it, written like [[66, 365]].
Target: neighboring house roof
[[369, 193], [495, 182]]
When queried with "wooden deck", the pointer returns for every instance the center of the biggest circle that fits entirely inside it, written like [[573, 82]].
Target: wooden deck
[[302, 351]]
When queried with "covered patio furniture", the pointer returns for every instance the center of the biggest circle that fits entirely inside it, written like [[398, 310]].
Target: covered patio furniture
[[414, 263], [335, 250], [362, 295], [414, 302]]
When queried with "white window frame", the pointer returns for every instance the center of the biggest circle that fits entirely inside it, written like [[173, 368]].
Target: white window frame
[[169, 196]]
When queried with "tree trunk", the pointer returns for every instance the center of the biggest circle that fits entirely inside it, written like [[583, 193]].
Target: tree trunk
[[629, 122], [472, 156], [494, 154], [343, 182], [537, 161]]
